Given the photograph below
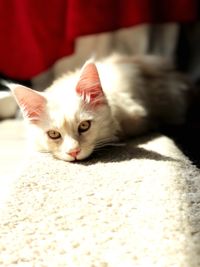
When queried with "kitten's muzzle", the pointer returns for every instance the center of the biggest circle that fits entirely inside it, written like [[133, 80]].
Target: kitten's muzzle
[[74, 153]]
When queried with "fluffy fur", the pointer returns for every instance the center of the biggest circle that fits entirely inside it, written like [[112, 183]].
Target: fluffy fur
[[120, 97]]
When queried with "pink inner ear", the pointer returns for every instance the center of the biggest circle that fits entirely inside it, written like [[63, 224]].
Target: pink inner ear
[[89, 85], [30, 102]]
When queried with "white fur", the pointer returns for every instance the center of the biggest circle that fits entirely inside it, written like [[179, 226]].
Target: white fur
[[133, 106]]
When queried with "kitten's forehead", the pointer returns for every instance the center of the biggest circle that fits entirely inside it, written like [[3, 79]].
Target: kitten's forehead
[[67, 113], [62, 114], [63, 100]]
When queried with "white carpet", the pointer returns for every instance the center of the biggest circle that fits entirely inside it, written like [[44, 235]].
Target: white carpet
[[137, 205]]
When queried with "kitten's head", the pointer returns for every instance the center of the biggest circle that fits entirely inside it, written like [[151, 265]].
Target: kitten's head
[[71, 119]]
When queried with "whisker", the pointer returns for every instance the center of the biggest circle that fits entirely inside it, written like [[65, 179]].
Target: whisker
[[108, 142], [99, 149], [117, 144], [102, 143]]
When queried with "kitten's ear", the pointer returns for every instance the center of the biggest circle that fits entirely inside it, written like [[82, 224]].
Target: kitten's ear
[[89, 85], [31, 103]]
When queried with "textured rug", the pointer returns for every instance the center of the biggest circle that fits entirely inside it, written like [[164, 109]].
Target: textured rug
[[135, 205]]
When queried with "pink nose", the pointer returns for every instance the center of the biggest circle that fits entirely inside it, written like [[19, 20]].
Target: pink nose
[[74, 152]]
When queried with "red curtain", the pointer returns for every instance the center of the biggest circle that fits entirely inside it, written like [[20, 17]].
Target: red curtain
[[35, 33]]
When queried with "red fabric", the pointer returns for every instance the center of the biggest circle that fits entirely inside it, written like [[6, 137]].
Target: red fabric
[[35, 33]]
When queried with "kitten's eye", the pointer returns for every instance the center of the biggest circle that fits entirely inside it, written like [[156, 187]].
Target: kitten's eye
[[84, 126], [53, 134]]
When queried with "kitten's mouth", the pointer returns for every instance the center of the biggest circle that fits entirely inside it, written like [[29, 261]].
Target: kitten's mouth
[[68, 158], [75, 159]]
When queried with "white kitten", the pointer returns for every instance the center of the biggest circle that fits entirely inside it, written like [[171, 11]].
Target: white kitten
[[102, 103]]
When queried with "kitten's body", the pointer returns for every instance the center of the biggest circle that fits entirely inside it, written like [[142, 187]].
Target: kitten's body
[[132, 96]]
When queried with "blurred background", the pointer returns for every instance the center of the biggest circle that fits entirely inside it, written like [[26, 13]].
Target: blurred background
[[39, 40], [35, 35]]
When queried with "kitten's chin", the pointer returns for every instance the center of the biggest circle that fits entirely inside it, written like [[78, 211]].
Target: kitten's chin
[[63, 157]]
